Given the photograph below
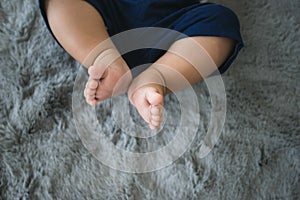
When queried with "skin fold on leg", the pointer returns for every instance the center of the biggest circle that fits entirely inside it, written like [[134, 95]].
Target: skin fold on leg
[[80, 29], [147, 96]]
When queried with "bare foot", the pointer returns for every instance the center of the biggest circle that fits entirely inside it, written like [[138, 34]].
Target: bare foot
[[102, 81], [149, 100]]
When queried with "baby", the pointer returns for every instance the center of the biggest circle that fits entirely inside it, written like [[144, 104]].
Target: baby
[[80, 26]]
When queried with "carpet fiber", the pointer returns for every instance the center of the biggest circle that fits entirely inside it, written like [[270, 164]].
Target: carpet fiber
[[257, 156]]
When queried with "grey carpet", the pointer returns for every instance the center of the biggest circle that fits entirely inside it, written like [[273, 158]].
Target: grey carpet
[[257, 156]]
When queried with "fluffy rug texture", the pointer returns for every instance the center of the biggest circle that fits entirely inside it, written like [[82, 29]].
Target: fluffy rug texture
[[257, 156]]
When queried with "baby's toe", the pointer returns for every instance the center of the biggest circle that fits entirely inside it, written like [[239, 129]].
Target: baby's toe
[[91, 101], [96, 72], [90, 95], [89, 92], [92, 84], [155, 123], [156, 118], [156, 110], [152, 127]]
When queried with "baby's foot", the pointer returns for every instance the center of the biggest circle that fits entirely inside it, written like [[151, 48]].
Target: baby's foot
[[103, 80], [149, 100]]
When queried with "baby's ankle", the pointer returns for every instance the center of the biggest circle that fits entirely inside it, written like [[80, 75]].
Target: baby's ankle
[[104, 53], [110, 58]]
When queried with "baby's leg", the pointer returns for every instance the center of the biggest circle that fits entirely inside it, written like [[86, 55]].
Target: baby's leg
[[79, 28], [148, 98]]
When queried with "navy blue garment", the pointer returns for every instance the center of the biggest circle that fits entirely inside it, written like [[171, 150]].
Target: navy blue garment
[[188, 17]]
